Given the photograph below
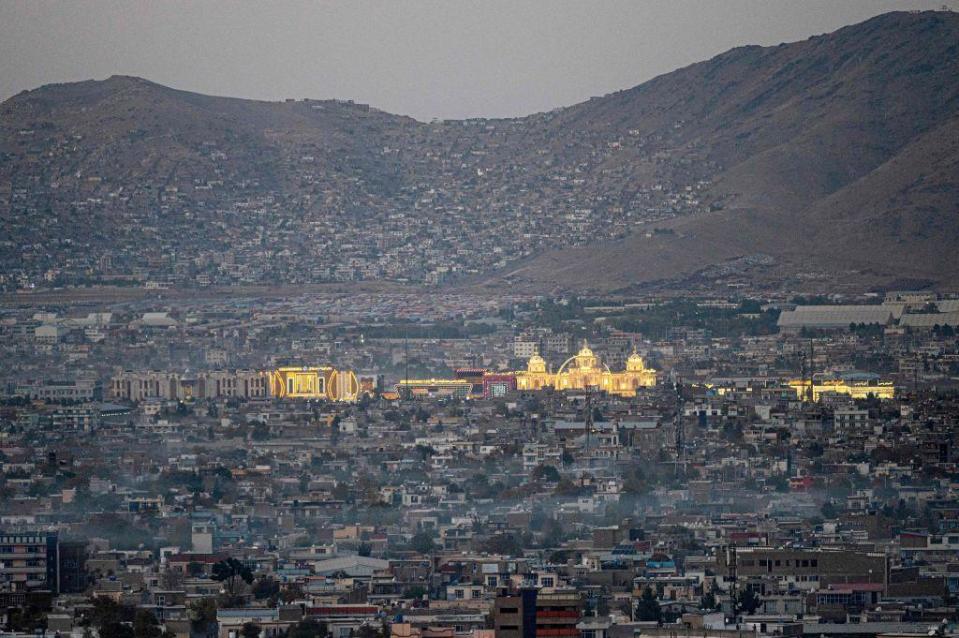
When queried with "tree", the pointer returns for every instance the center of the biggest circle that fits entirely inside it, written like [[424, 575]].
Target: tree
[[107, 612], [265, 588], [546, 472], [145, 625], [116, 630], [231, 572], [422, 543], [747, 602], [553, 535], [506, 544], [647, 607], [425, 451], [565, 487], [368, 631], [602, 606], [27, 619], [202, 614], [708, 601], [828, 510], [414, 592], [308, 628], [250, 630], [291, 593], [779, 483]]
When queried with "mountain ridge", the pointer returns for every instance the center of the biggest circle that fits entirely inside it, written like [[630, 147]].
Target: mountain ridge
[[760, 151]]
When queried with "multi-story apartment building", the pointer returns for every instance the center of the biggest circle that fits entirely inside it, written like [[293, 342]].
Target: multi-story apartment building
[[139, 386], [530, 613], [786, 569], [29, 562]]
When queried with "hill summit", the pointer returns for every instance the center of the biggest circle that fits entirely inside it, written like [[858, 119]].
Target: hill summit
[[834, 159]]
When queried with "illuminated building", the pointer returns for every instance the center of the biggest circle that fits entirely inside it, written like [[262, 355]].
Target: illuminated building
[[498, 385], [585, 370], [474, 376], [282, 383], [460, 388], [370, 384], [314, 383], [855, 385], [172, 386]]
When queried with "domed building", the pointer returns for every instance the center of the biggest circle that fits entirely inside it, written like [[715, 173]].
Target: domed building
[[536, 376], [585, 370]]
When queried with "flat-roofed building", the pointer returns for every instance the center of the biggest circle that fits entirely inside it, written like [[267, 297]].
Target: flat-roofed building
[[837, 317], [29, 562], [771, 568]]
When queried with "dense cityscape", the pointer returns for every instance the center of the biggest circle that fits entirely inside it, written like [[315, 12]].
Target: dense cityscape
[[722, 493], [395, 200], [676, 361]]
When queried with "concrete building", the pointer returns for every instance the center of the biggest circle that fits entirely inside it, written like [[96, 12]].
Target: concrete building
[[29, 562], [530, 613]]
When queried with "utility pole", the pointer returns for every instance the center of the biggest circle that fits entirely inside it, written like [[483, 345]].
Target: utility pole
[[915, 379], [680, 431], [589, 418], [406, 357], [811, 371], [731, 568]]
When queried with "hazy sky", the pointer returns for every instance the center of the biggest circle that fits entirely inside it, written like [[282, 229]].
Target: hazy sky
[[444, 59]]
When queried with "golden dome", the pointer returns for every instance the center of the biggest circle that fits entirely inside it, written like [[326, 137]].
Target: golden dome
[[635, 363], [585, 357], [536, 363]]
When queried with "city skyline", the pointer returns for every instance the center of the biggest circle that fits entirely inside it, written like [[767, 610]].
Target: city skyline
[[676, 360]]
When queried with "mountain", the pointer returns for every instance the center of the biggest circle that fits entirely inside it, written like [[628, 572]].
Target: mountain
[[831, 161], [836, 158]]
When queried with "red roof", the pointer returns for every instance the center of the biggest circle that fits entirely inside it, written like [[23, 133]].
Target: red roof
[[852, 587]]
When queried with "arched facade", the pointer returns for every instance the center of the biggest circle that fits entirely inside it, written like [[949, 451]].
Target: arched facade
[[314, 383], [585, 370]]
